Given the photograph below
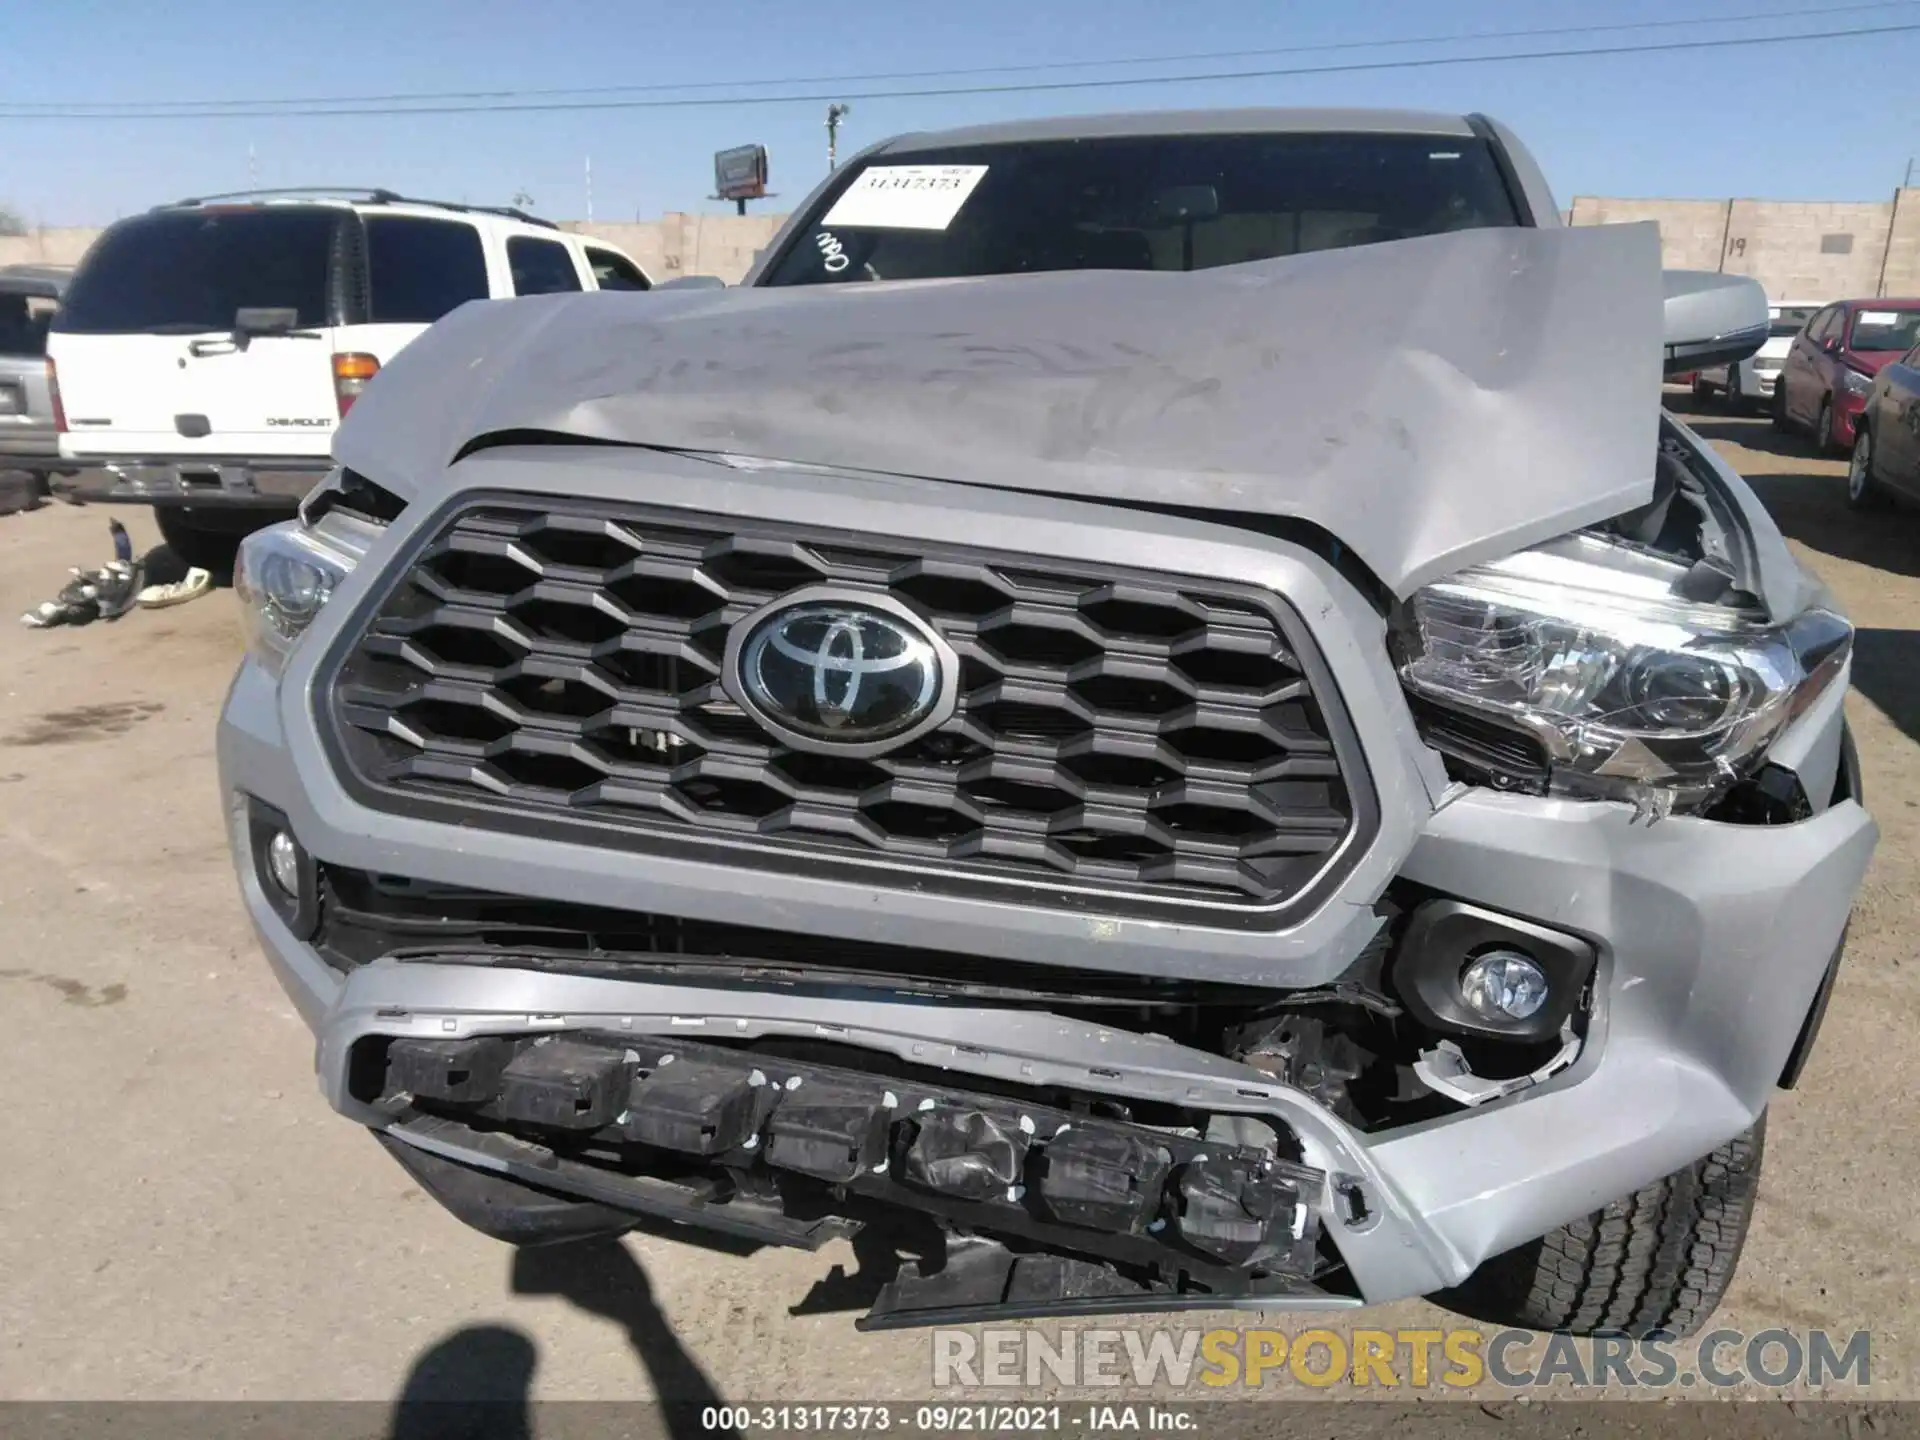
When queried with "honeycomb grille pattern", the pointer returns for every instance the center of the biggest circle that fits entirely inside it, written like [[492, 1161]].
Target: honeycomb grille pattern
[[1115, 730]]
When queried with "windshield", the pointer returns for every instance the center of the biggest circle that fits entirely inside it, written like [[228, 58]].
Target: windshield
[[184, 271], [1885, 330], [1790, 320], [1167, 202]]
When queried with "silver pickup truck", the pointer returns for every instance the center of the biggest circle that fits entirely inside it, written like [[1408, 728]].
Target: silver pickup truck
[[1152, 716]]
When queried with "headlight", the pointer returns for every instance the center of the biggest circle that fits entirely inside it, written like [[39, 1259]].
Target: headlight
[[1854, 383], [1630, 689], [286, 572]]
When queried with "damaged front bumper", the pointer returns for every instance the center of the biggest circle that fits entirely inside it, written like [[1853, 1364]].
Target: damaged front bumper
[[1706, 945], [1715, 940]]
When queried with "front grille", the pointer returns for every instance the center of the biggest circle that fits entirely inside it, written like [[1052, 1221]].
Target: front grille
[[1118, 733]]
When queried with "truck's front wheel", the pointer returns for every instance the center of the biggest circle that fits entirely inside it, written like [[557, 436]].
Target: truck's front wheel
[[1657, 1261]]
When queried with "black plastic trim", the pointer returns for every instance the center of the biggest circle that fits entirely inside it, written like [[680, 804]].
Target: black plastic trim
[[1509, 177], [301, 914], [1803, 1043]]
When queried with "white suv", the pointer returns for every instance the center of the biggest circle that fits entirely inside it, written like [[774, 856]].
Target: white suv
[[1751, 382], [207, 349]]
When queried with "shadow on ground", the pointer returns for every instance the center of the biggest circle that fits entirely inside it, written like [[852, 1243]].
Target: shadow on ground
[[1813, 510], [1753, 432], [475, 1383], [478, 1381], [1886, 669]]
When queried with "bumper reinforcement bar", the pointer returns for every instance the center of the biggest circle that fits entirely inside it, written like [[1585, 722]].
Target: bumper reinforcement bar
[[1043, 1211]]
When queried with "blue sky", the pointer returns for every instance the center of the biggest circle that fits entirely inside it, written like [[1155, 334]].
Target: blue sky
[[1827, 119]]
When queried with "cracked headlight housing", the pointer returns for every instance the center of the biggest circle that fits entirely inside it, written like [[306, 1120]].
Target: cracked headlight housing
[[287, 572], [1626, 688]]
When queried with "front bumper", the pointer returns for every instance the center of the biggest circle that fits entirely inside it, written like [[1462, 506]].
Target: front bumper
[[1847, 410], [24, 446], [273, 484], [1713, 938]]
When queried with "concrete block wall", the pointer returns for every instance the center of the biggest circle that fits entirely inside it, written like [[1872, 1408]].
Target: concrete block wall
[[1808, 251], [682, 244], [1692, 232], [1902, 262], [1796, 249], [63, 246]]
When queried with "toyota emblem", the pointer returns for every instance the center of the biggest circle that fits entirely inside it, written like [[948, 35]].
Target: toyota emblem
[[842, 672]]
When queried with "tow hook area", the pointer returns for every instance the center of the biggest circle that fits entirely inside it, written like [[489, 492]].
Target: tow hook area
[[1033, 1208]]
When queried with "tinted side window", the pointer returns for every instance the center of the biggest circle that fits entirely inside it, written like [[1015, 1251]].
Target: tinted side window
[[615, 272], [187, 271], [1790, 321], [541, 267], [23, 324], [418, 270], [1824, 324]]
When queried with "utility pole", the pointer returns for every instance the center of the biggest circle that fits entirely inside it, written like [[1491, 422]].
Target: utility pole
[[1908, 182], [589, 189], [835, 113]]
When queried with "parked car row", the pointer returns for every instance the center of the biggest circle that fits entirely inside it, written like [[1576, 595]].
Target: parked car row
[[1886, 443], [1753, 379], [1831, 367], [206, 350], [1846, 374]]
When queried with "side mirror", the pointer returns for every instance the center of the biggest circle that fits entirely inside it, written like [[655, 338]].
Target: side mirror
[[1712, 319], [1831, 344]]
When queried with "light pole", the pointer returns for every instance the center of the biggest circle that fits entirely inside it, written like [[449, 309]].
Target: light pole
[[835, 113]]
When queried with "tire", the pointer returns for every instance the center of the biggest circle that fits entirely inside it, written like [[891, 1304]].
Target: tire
[[1736, 397], [209, 539], [1658, 1261], [1863, 491], [1701, 390], [1781, 424], [1823, 429]]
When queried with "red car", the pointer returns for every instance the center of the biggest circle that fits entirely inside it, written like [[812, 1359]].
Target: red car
[[1830, 369]]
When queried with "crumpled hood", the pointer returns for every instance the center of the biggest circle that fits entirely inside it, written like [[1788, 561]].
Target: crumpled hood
[[1429, 403]]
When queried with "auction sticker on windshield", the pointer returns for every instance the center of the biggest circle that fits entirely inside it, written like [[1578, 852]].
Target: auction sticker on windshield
[[906, 197]]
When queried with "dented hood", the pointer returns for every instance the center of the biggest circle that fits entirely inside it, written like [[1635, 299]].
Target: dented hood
[[1429, 403]]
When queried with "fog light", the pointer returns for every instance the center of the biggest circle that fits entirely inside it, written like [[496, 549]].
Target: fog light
[[1503, 985], [283, 859]]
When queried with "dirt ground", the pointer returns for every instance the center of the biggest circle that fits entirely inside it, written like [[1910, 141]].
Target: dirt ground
[[184, 1218]]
